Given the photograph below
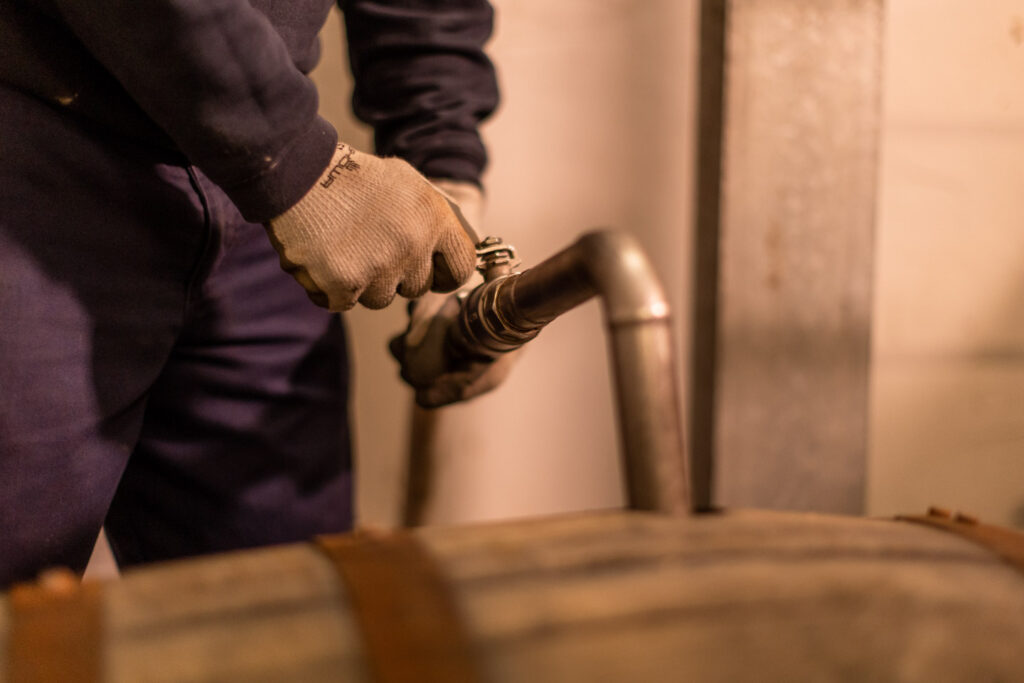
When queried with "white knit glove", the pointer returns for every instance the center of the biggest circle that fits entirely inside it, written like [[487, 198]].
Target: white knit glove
[[421, 348], [369, 228]]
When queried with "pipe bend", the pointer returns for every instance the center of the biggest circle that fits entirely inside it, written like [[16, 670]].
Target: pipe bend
[[504, 313], [623, 277]]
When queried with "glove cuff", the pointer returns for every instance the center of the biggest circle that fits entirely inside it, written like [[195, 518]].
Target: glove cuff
[[468, 196]]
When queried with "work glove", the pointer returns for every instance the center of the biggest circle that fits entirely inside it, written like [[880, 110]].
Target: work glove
[[421, 351], [369, 228]]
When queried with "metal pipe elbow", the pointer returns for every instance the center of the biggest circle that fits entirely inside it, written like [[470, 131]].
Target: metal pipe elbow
[[510, 310]]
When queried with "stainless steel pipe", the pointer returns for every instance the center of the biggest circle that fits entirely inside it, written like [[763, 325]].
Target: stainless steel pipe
[[506, 312]]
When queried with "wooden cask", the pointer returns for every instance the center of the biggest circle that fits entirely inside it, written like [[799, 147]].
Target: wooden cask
[[734, 596]]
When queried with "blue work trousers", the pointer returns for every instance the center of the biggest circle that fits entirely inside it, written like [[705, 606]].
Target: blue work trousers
[[159, 373]]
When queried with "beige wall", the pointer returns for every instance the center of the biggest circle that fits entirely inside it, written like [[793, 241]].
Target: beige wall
[[947, 422], [594, 130]]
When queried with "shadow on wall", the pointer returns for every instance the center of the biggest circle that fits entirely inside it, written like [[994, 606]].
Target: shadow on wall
[[948, 429]]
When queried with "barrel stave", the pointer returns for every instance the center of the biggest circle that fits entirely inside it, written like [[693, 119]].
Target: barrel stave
[[270, 614], [602, 597]]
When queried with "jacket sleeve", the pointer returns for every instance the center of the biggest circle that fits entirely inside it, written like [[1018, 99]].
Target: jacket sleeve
[[217, 78], [423, 81]]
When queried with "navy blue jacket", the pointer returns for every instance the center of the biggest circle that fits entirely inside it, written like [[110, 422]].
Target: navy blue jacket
[[223, 82]]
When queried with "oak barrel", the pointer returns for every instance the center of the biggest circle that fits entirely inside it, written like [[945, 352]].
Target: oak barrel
[[598, 597]]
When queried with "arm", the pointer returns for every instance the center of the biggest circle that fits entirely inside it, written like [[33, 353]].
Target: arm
[[422, 80], [216, 76], [425, 84]]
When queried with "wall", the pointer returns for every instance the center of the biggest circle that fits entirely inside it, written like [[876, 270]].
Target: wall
[[947, 416]]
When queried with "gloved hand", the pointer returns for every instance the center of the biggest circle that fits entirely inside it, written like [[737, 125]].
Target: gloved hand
[[421, 349], [371, 227], [426, 367]]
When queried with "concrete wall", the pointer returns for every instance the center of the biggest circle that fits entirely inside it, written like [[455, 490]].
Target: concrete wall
[[798, 184]]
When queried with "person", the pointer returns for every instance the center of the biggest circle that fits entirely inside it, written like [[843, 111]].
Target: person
[[165, 181]]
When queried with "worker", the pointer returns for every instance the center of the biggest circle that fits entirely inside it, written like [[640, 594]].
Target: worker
[[169, 200]]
